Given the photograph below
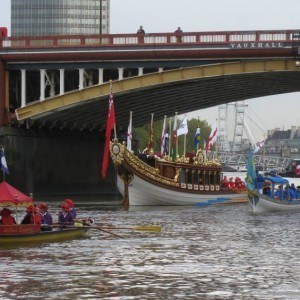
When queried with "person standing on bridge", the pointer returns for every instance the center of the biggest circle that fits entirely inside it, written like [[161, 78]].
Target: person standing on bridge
[[178, 32], [141, 33]]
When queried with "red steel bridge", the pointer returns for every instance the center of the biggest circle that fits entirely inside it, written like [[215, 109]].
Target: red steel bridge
[[63, 81]]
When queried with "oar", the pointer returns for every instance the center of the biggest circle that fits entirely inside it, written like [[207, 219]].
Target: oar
[[88, 227], [101, 229], [152, 228]]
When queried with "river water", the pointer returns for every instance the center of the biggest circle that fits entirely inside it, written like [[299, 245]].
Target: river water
[[217, 252]]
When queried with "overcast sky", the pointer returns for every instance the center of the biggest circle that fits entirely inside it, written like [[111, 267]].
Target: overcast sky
[[212, 15]]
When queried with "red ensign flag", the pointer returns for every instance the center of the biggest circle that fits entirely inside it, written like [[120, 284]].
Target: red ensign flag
[[111, 120]]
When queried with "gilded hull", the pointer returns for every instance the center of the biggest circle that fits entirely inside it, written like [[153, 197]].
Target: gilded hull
[[42, 237]]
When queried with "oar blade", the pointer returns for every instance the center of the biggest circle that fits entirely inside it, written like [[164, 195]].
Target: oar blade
[[154, 228]]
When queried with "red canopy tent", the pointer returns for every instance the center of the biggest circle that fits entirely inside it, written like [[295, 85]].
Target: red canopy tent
[[10, 196]]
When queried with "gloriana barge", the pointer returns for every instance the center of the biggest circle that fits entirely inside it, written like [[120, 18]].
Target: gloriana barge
[[149, 180]]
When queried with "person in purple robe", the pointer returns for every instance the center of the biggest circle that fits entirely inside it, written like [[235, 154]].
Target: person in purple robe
[[71, 205], [46, 217], [64, 216]]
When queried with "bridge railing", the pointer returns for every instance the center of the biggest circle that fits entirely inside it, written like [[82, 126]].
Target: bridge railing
[[200, 38], [238, 159]]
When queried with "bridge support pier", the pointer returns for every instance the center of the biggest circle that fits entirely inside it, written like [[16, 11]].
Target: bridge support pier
[[61, 81], [100, 72], [81, 76], [23, 88], [42, 84], [121, 72]]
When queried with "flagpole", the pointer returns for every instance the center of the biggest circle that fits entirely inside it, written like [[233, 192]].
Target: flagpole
[[184, 146], [175, 145], [170, 130], [199, 137], [151, 135], [264, 155]]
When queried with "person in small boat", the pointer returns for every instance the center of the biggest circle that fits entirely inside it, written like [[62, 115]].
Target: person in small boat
[[269, 191], [259, 182], [71, 205], [6, 217], [46, 217], [288, 193], [279, 193], [297, 193], [32, 216], [64, 216], [292, 187]]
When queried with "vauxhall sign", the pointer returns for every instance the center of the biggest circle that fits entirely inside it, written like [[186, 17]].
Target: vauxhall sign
[[256, 45]]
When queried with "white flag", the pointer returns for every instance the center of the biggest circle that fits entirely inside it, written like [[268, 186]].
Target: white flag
[[163, 146], [183, 128], [129, 132], [259, 146]]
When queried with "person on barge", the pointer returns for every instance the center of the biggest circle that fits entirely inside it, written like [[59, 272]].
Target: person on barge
[[6, 217]]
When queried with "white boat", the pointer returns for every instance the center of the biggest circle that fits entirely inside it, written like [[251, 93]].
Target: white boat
[[261, 202], [158, 181]]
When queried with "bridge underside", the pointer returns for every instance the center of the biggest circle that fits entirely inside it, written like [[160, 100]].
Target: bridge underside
[[183, 90]]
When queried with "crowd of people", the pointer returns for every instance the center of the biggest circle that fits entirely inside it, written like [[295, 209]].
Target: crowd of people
[[289, 192], [236, 184], [39, 214]]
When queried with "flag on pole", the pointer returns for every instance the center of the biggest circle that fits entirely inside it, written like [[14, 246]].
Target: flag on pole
[[129, 133], [259, 146], [251, 173], [110, 123], [197, 135], [151, 143], [212, 138], [163, 147], [3, 164], [174, 138], [183, 127]]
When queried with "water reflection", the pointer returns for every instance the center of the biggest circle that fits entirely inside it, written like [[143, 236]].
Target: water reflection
[[221, 252]]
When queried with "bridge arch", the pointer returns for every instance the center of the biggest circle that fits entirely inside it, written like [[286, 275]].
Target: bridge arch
[[182, 90]]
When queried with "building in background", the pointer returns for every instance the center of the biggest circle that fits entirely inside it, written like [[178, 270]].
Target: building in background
[[59, 17], [283, 143]]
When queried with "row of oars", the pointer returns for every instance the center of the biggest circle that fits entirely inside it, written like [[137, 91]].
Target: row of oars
[[106, 229]]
